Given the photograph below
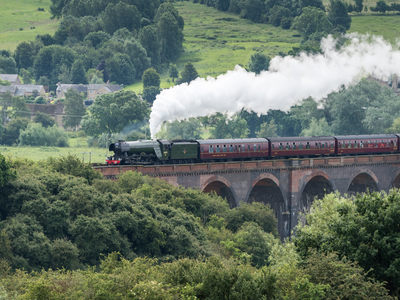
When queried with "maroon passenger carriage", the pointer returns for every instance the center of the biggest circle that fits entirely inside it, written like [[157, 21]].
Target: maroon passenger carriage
[[234, 149], [302, 146], [364, 144]]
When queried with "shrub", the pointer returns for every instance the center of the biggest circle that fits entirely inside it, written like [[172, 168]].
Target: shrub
[[37, 135]]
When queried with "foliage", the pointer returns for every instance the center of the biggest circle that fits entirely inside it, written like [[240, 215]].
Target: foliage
[[311, 21], [258, 62], [72, 165], [256, 212], [37, 135], [7, 65], [267, 129], [338, 15], [150, 93], [6, 173], [11, 132], [112, 112], [224, 127], [74, 108], [188, 74], [185, 129], [151, 78], [361, 229], [44, 119], [318, 128]]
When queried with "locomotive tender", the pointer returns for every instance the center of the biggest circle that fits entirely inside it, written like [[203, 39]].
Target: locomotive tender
[[192, 151]]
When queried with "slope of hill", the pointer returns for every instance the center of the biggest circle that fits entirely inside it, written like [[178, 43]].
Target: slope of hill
[[22, 20]]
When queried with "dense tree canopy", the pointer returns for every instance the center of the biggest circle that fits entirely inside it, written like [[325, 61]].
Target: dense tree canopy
[[112, 112]]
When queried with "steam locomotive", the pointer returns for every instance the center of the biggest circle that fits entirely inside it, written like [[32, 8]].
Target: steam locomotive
[[193, 151]]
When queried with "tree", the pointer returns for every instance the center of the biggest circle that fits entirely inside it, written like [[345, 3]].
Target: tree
[[12, 131], [317, 128], [359, 5], [121, 15], [184, 129], [151, 78], [277, 14], [363, 229], [312, 20], [97, 39], [224, 127], [259, 62], [150, 93], [11, 107], [338, 15], [149, 39], [74, 108], [78, 74], [252, 9], [381, 6], [120, 69], [110, 113], [137, 55], [268, 129], [37, 135], [6, 173], [188, 74], [44, 119], [25, 54], [7, 65], [173, 72], [170, 26]]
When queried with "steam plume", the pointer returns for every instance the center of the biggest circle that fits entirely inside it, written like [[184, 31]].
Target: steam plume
[[289, 80]]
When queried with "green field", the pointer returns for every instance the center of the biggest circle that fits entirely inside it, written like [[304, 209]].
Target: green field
[[386, 26], [20, 20], [78, 147]]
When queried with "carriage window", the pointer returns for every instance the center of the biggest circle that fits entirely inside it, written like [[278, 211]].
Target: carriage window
[[273, 146], [332, 145], [236, 148], [248, 147], [322, 145], [239, 149], [231, 148], [294, 145], [287, 146], [218, 150], [211, 149], [259, 147], [308, 145], [280, 146], [224, 148], [316, 145], [301, 146], [255, 147]]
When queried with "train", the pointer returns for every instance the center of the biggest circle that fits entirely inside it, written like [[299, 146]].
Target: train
[[195, 151]]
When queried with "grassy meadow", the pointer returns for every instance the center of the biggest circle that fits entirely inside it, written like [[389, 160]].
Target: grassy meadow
[[20, 20], [77, 146]]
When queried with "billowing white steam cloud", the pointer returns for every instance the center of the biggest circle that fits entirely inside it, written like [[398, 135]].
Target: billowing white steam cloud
[[288, 80]]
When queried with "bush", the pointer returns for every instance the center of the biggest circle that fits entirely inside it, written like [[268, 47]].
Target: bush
[[37, 135]]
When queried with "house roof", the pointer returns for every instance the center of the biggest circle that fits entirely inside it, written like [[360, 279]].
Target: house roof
[[110, 87], [7, 89], [9, 77], [22, 89], [81, 88]]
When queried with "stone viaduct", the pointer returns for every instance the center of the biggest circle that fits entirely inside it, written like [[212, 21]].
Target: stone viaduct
[[287, 185]]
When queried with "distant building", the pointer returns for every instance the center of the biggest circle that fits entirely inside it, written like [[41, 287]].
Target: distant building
[[24, 90], [11, 78], [91, 91]]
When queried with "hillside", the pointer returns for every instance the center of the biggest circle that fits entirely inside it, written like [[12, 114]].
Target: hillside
[[21, 20]]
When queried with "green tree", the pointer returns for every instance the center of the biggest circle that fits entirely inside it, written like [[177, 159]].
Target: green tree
[[259, 62], [37, 135], [12, 131], [268, 129], [224, 127], [78, 74], [149, 39], [151, 78], [44, 119], [170, 26], [188, 74], [137, 55], [7, 65], [381, 7], [150, 93], [318, 128], [173, 72], [11, 107], [312, 20], [74, 108], [6, 173], [359, 5], [110, 113], [338, 15], [277, 14], [121, 15], [120, 69], [184, 129], [24, 55], [359, 229], [252, 9]]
